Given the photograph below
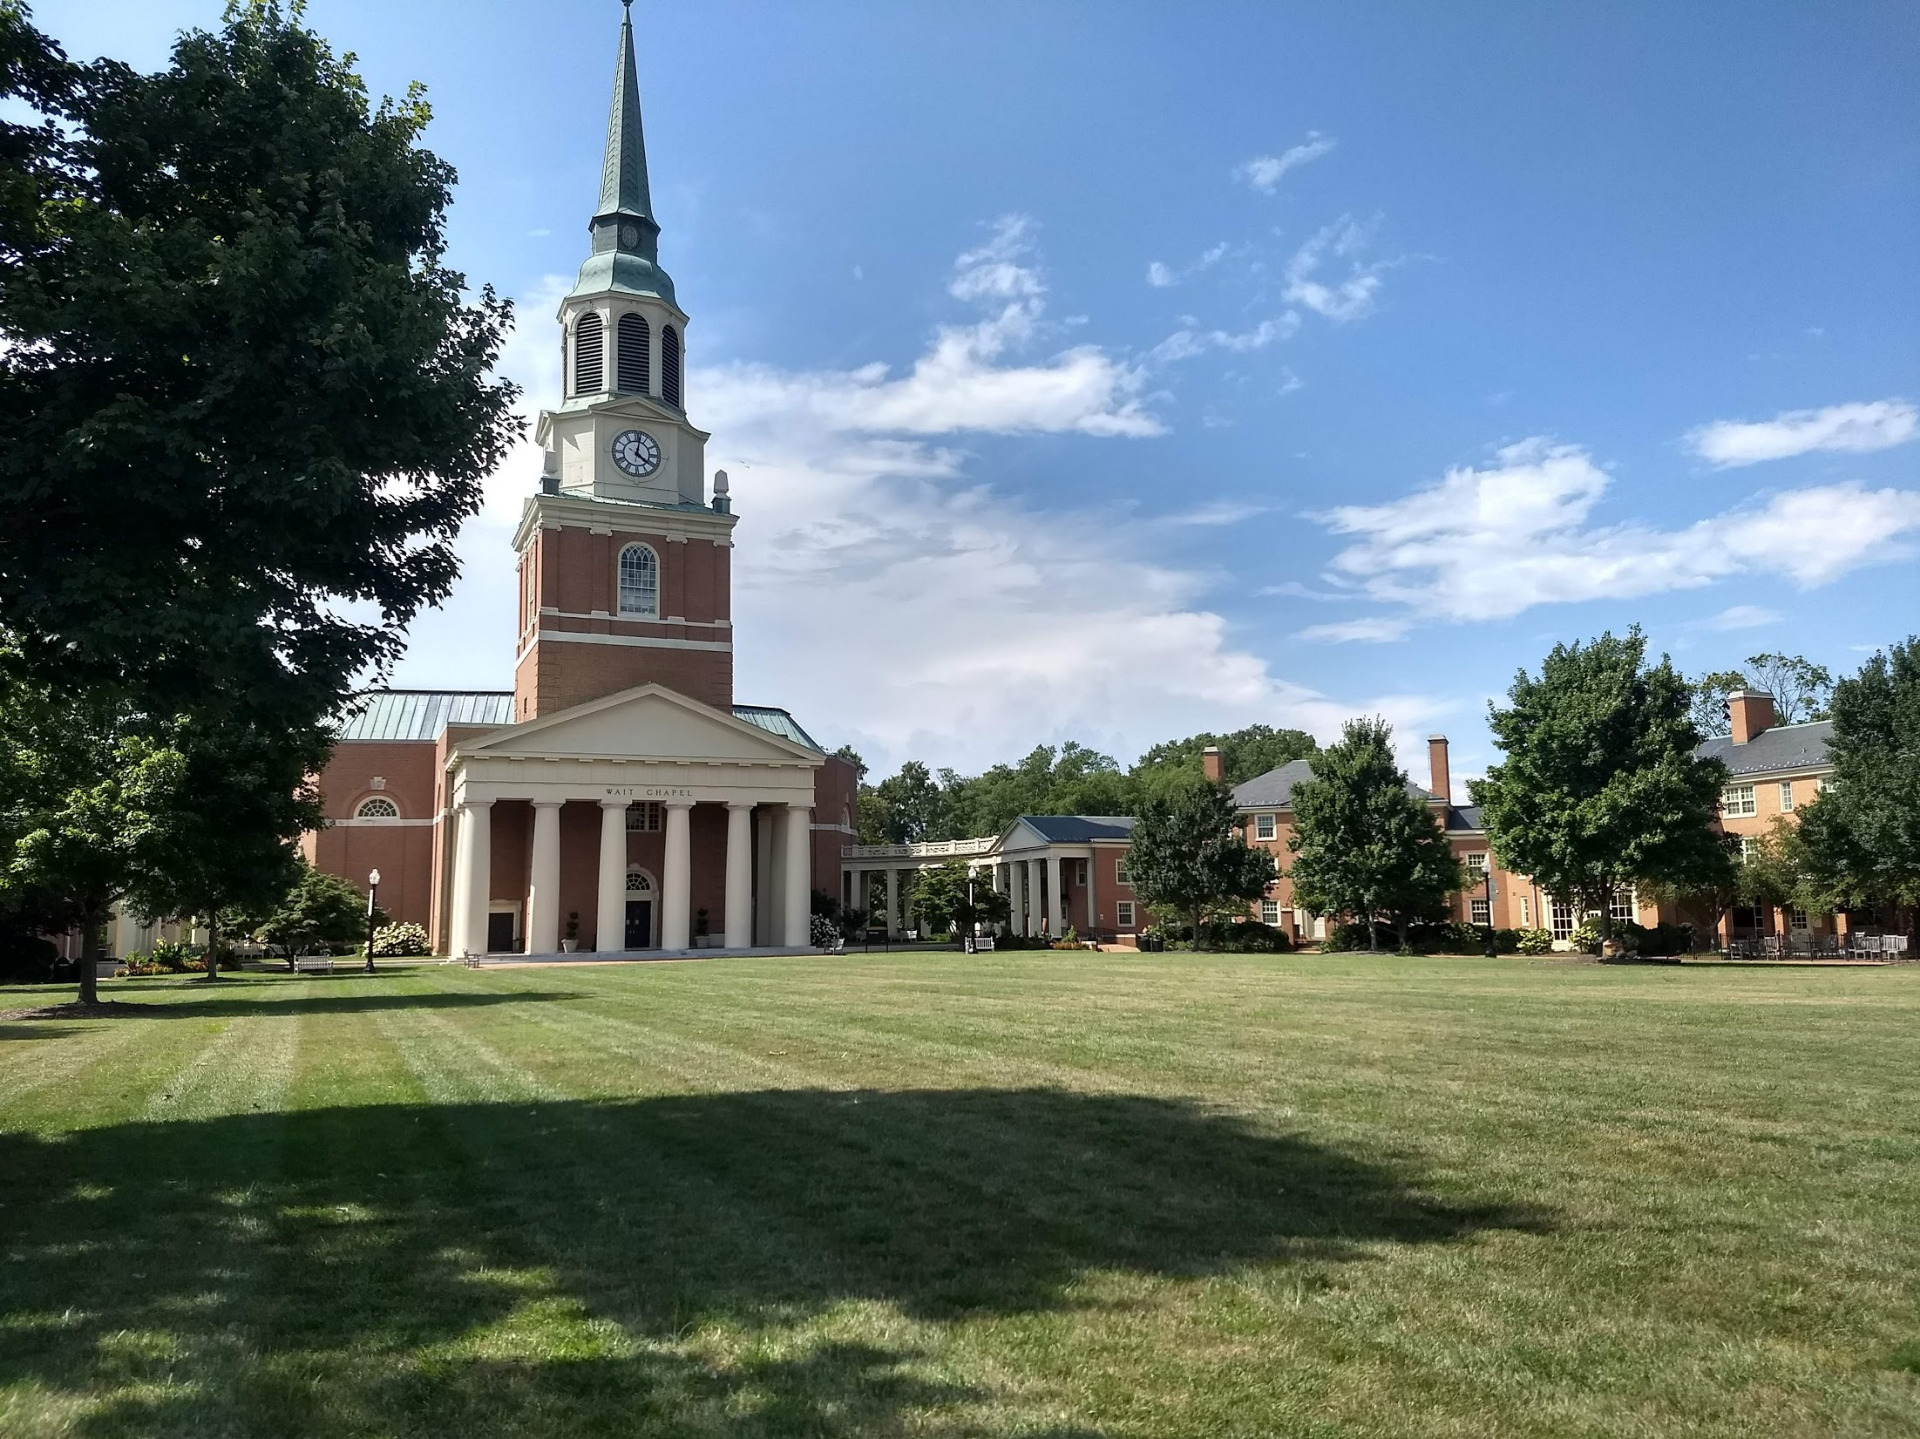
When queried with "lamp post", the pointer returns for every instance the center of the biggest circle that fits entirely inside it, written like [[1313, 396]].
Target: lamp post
[[373, 898], [966, 940]]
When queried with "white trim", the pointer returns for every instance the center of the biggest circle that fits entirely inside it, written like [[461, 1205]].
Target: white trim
[[644, 642], [358, 823]]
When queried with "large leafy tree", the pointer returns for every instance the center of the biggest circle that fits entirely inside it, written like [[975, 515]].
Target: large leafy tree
[[1363, 843], [1188, 856], [1601, 785], [244, 404], [1176, 764], [1860, 840], [951, 896], [317, 909]]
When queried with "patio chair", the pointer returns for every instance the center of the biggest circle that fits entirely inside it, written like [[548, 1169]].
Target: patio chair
[[1772, 946], [1869, 946], [1894, 947]]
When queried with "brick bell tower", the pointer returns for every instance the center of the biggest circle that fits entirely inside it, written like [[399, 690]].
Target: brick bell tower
[[625, 565]]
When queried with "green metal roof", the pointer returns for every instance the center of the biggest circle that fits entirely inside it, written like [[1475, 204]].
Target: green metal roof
[[777, 722], [423, 714]]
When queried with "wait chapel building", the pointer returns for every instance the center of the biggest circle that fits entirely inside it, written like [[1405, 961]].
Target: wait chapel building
[[618, 797]]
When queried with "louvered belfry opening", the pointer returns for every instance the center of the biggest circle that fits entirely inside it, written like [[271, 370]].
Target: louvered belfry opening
[[670, 366], [635, 364], [589, 354]]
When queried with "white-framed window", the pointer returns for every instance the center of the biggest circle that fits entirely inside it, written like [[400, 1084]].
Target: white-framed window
[[639, 581], [1526, 913], [1737, 801], [1819, 785], [1121, 874], [1123, 914], [1270, 911], [1786, 796], [1481, 911], [1080, 873], [1797, 918], [1265, 826], [1749, 846], [644, 817], [1625, 906], [1476, 863], [1561, 923], [377, 807], [639, 882]]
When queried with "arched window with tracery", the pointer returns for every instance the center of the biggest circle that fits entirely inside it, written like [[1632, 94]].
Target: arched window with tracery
[[670, 366], [638, 882], [639, 581], [377, 807], [589, 354], [635, 359]]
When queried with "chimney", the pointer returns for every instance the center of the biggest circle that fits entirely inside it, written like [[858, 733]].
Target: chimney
[[1211, 765], [1441, 776], [1751, 712]]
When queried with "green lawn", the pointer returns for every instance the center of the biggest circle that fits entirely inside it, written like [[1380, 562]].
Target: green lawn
[[1038, 1194]]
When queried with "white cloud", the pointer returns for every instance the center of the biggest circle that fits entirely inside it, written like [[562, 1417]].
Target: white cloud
[[1289, 382], [1189, 340], [1219, 513], [1491, 543], [1163, 276], [1346, 299], [1742, 617], [1373, 630], [1264, 172], [1857, 428], [1159, 276]]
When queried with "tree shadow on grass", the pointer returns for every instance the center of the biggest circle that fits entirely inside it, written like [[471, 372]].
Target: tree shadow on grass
[[305, 995], [669, 1265]]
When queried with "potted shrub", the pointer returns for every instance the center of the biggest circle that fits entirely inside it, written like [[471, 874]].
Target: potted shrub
[[572, 941], [701, 939]]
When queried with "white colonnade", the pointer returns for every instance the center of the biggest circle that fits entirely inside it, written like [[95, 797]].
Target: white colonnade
[[785, 871]]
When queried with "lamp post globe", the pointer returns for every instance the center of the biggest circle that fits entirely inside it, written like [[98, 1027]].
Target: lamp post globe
[[373, 899]]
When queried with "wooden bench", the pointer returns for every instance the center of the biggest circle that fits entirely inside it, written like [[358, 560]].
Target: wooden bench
[[312, 963]]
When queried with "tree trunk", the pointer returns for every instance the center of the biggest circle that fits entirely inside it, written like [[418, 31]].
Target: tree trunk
[[1400, 932], [1196, 928], [1373, 940], [213, 949], [90, 955]]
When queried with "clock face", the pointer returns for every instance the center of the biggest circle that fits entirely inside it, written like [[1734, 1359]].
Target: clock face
[[636, 452], [630, 236]]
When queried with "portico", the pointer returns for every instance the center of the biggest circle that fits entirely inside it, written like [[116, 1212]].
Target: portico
[[648, 801]]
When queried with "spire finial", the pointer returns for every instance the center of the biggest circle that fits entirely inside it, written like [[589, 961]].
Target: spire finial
[[623, 178]]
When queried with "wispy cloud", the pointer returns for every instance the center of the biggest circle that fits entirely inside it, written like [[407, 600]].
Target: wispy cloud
[[1347, 298], [1264, 172], [1163, 276], [1189, 340], [1491, 543], [1375, 630], [1742, 617], [1219, 513], [1857, 428]]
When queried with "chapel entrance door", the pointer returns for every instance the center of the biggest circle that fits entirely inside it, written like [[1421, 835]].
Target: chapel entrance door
[[639, 924], [500, 931]]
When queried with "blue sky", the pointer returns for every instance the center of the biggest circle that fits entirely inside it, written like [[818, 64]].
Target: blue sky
[[1114, 372]]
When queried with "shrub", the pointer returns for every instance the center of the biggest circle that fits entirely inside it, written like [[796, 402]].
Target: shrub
[[1666, 939], [1535, 941], [1586, 937], [1507, 941], [823, 931], [401, 941], [27, 958]]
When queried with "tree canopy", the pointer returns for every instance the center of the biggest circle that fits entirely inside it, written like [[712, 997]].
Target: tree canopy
[[1860, 839], [1363, 843], [1188, 855], [1600, 785], [1801, 690]]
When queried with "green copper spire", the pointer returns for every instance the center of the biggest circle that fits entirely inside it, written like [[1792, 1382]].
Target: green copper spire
[[626, 239], [623, 179]]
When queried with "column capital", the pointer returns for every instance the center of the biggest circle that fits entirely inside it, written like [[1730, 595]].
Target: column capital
[[740, 804], [546, 803], [676, 804], [474, 804], [615, 803]]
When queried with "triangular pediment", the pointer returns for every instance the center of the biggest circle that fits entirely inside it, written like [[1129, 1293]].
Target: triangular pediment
[[1021, 835], [647, 723]]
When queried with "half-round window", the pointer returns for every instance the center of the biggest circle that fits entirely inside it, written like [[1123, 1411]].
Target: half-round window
[[638, 882], [589, 354], [635, 359], [378, 807], [670, 366], [639, 581]]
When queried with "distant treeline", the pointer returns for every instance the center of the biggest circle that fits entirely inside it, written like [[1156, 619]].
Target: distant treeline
[[919, 803]]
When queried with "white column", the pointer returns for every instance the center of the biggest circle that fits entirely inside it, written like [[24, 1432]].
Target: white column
[[1016, 897], [479, 820], [893, 900], [739, 921], [1036, 894], [1093, 890], [774, 877], [610, 927], [1056, 921], [543, 894], [462, 830], [853, 889], [796, 888], [676, 879]]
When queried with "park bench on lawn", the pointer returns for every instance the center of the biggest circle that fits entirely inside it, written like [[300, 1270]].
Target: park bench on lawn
[[312, 963]]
